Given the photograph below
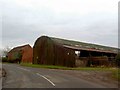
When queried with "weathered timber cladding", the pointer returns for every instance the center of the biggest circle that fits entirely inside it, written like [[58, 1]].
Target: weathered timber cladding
[[64, 56], [43, 51], [46, 51]]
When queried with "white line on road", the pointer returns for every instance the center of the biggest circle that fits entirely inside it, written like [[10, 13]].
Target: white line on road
[[46, 79], [23, 69]]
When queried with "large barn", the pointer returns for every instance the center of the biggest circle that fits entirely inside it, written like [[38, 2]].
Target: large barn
[[55, 51], [21, 54]]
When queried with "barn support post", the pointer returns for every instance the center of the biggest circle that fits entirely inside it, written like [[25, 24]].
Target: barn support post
[[89, 59]]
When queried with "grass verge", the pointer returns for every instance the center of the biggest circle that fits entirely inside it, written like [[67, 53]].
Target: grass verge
[[44, 66], [115, 71], [116, 74]]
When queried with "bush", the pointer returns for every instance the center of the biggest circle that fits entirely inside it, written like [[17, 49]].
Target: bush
[[118, 59], [4, 59]]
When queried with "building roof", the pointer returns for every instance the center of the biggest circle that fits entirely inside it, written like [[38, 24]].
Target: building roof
[[76, 45], [19, 48]]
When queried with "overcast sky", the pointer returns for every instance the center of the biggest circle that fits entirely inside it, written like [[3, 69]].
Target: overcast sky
[[93, 21]]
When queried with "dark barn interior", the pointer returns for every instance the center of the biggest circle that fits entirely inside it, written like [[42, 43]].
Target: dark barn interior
[[93, 57], [55, 51]]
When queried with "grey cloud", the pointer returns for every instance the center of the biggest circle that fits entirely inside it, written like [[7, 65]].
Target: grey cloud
[[24, 25]]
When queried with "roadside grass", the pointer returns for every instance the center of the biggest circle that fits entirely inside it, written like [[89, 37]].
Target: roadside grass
[[116, 74], [67, 68], [115, 71], [43, 66]]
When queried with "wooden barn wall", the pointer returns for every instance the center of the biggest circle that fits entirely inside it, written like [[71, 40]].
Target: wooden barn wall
[[46, 51], [64, 56], [42, 52]]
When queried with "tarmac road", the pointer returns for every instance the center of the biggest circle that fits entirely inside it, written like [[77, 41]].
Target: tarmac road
[[27, 77]]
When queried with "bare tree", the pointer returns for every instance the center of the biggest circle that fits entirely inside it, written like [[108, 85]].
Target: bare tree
[[5, 51]]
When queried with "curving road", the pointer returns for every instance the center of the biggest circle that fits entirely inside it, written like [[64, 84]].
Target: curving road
[[27, 77]]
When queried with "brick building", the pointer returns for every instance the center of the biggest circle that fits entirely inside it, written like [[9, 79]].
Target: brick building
[[21, 53]]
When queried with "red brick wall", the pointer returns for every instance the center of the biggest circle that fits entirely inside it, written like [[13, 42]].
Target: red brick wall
[[27, 54]]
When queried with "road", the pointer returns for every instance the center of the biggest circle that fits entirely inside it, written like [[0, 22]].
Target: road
[[28, 77]]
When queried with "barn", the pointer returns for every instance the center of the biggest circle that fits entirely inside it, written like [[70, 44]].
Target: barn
[[21, 54], [55, 51]]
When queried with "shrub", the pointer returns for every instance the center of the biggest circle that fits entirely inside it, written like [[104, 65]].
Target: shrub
[[4, 59], [118, 59]]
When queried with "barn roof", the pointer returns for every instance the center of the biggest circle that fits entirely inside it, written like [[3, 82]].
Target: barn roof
[[19, 48], [76, 45]]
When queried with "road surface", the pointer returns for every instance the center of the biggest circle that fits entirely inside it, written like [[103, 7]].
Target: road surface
[[28, 77]]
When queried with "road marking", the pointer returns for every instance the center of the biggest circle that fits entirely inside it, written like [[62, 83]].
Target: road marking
[[46, 79], [23, 69]]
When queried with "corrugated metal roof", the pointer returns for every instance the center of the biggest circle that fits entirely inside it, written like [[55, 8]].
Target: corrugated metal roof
[[85, 49], [84, 46]]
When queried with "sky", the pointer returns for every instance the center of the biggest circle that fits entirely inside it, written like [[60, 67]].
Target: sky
[[91, 21]]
